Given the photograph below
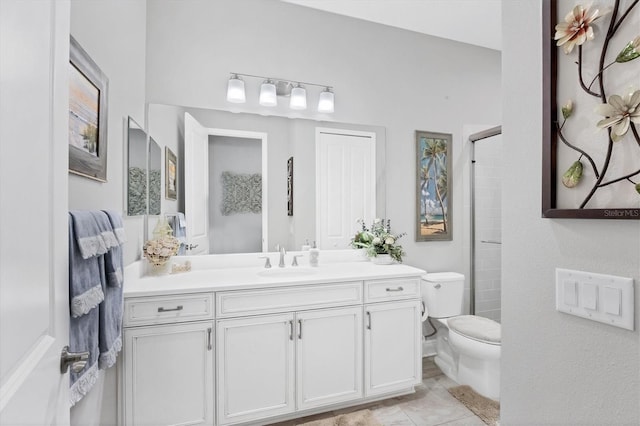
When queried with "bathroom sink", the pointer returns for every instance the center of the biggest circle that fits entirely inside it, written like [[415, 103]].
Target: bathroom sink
[[287, 272]]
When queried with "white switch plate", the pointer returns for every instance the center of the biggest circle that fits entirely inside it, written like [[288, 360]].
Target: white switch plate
[[603, 298]]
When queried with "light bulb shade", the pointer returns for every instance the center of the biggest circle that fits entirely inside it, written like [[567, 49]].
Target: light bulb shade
[[298, 98], [235, 90], [268, 94], [325, 104]]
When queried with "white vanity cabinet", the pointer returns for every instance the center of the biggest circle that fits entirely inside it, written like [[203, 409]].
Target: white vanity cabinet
[[393, 335], [245, 347], [168, 361], [270, 365]]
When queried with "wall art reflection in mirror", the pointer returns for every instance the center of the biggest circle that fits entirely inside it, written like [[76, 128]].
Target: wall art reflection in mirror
[[591, 147], [88, 87], [433, 186], [171, 175]]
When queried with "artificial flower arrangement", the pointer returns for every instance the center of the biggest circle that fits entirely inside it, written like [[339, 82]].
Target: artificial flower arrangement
[[164, 245], [378, 240]]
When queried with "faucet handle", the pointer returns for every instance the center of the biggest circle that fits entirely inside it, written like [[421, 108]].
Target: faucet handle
[[295, 259], [267, 263]]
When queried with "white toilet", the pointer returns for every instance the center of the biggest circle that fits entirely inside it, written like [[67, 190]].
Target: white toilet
[[467, 346]]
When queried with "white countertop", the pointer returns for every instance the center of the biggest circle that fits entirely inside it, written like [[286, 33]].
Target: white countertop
[[239, 278]]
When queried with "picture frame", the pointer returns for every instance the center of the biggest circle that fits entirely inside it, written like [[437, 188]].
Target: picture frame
[[290, 186], [573, 130], [88, 113], [433, 186], [171, 174]]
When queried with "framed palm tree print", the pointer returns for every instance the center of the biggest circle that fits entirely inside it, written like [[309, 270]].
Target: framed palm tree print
[[433, 186]]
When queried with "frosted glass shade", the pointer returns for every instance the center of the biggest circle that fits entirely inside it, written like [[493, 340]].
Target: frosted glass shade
[[235, 91], [298, 98], [268, 94], [325, 104]]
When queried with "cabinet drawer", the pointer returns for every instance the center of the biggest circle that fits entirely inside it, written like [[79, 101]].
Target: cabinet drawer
[[167, 309], [392, 289], [283, 299]]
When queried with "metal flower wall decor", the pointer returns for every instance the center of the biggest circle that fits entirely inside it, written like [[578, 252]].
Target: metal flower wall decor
[[592, 110]]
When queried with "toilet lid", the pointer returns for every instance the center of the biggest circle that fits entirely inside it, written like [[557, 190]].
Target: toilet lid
[[477, 328]]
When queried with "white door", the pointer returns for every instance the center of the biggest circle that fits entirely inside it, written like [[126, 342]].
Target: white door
[[168, 375], [328, 356], [196, 185], [34, 120], [256, 368], [345, 184], [392, 346]]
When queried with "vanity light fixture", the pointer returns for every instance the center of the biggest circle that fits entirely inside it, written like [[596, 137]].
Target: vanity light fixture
[[325, 104], [271, 88], [298, 98], [235, 90]]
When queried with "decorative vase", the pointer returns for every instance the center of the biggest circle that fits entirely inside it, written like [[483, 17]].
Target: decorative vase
[[382, 259], [362, 255], [158, 268]]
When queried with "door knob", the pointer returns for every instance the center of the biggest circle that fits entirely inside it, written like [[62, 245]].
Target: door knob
[[191, 246], [77, 360]]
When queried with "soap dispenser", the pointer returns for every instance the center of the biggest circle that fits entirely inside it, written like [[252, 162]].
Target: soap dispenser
[[314, 253]]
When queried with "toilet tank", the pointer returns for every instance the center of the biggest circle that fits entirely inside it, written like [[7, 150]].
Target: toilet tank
[[443, 294]]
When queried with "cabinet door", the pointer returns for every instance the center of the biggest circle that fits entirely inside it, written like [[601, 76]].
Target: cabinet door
[[168, 375], [255, 367], [393, 352], [328, 356]]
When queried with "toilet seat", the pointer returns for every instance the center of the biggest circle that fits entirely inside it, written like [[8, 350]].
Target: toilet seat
[[477, 328]]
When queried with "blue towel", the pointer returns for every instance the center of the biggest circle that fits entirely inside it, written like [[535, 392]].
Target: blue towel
[[95, 288], [85, 288], [88, 234], [113, 257], [83, 336], [180, 232]]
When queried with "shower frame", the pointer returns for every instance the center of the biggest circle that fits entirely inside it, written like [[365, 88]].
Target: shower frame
[[475, 137]]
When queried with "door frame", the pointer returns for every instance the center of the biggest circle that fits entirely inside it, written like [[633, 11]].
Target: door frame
[[246, 134]]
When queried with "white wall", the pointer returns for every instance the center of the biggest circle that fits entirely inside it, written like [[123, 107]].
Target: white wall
[[383, 76], [113, 34], [237, 232], [557, 368]]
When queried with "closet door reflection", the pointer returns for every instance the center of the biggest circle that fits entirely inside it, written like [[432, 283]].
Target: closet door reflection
[[488, 224]]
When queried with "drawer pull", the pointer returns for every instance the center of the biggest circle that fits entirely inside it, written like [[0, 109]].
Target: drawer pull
[[291, 330], [299, 329], [209, 338], [177, 308], [395, 289], [369, 320]]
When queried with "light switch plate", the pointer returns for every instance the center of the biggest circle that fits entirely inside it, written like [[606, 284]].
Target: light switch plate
[[604, 298]]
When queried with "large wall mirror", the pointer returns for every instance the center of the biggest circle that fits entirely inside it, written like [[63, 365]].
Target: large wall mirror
[[245, 150]]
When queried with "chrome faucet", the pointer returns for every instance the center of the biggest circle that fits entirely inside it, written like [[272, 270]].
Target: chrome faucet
[[282, 253]]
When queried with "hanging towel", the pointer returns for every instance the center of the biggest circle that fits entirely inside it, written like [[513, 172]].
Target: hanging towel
[[88, 234], [106, 230], [83, 337], [85, 288], [180, 232], [113, 257], [110, 325]]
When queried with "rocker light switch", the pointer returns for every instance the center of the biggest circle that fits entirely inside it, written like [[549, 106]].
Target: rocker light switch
[[612, 299], [571, 293], [590, 296], [608, 299]]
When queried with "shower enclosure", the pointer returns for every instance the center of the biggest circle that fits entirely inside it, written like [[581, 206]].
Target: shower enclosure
[[486, 236]]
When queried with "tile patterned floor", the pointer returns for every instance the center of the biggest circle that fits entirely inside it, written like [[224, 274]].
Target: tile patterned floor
[[430, 405]]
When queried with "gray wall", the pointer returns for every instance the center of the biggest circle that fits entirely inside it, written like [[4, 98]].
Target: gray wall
[[113, 34], [557, 369], [382, 76]]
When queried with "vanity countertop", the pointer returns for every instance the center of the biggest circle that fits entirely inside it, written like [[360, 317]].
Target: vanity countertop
[[222, 279]]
